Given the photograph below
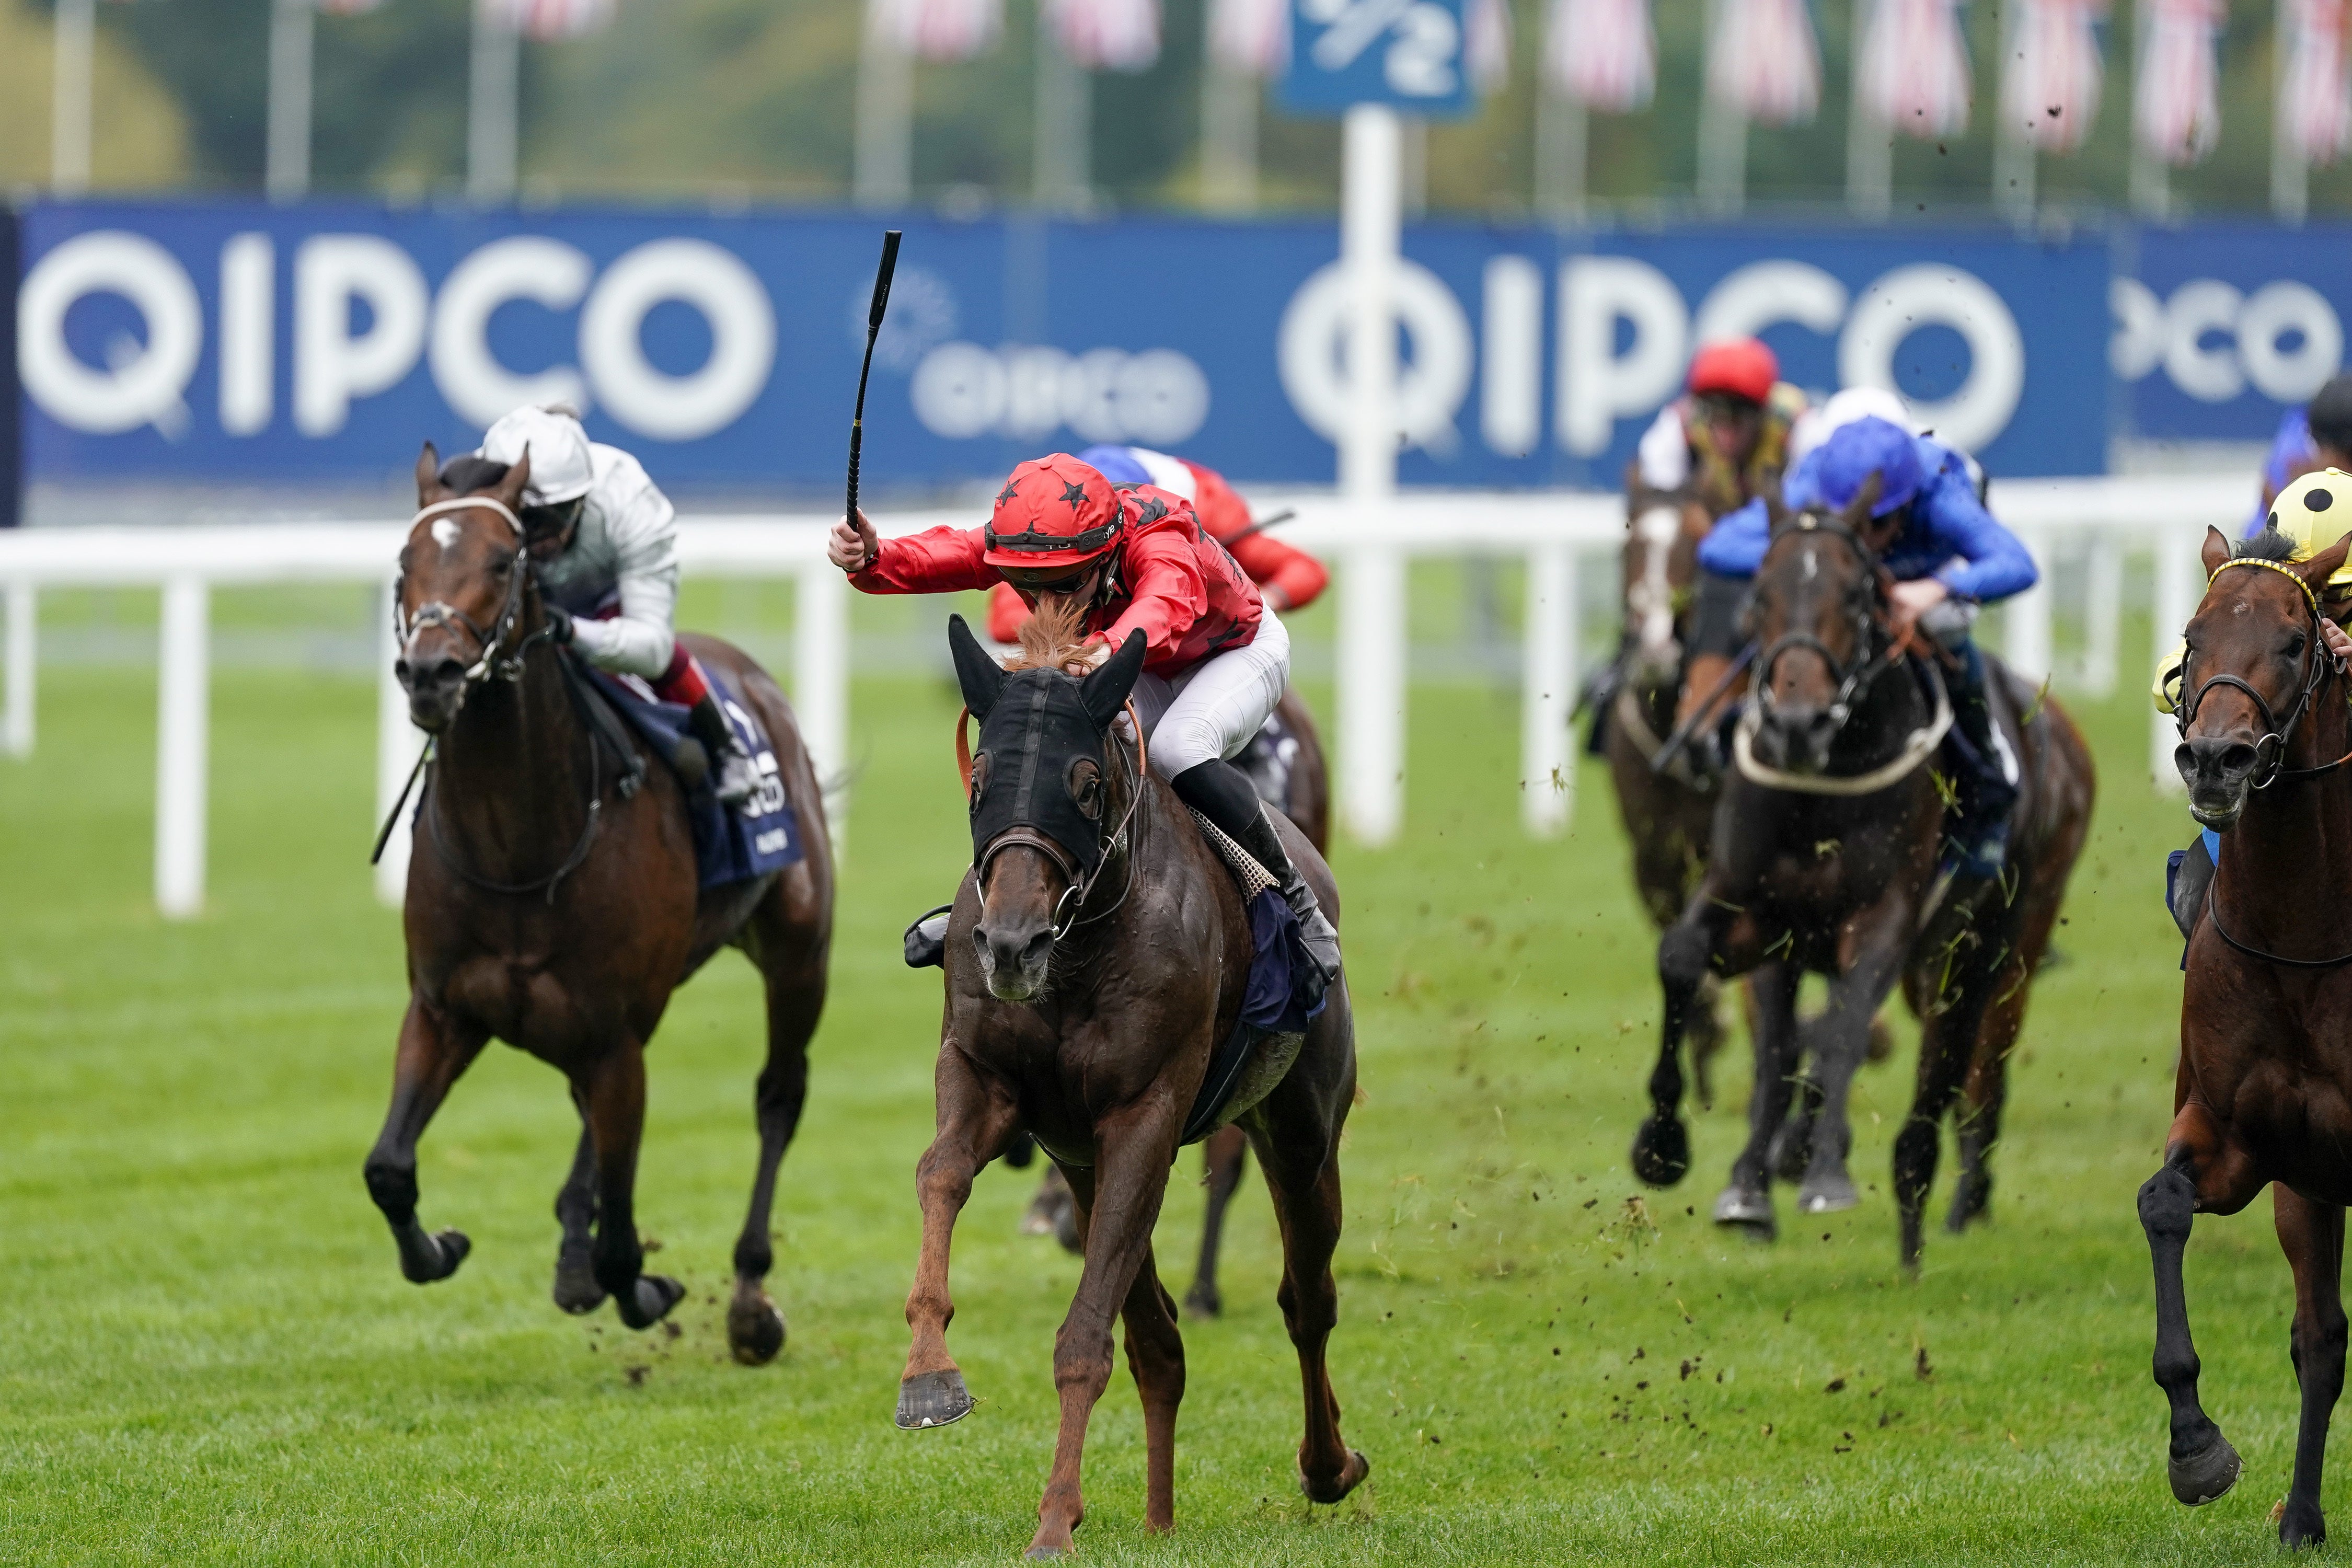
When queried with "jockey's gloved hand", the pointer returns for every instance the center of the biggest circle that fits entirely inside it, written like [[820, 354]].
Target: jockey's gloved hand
[[2338, 644], [559, 625]]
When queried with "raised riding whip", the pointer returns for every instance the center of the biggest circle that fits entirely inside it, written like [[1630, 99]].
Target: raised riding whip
[[873, 329], [1285, 515]]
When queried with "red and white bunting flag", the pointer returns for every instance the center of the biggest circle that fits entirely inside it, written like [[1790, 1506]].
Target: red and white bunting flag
[[1488, 44], [1914, 67], [1251, 37], [938, 29], [348, 7], [1107, 35], [1764, 61], [2050, 78], [2315, 116], [1602, 53], [549, 21], [2177, 112]]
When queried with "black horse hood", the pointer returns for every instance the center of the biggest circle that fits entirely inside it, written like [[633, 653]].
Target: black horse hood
[[1041, 755]]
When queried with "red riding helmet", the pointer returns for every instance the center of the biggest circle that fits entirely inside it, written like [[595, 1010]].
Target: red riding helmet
[[1053, 511], [1742, 366]]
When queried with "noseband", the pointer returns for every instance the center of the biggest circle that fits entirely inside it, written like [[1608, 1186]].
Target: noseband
[[1077, 887], [1869, 663], [2270, 750], [405, 627]]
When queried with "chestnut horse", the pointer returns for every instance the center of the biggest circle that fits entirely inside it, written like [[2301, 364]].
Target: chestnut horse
[[1824, 859], [558, 912], [2263, 1094], [1084, 1007]]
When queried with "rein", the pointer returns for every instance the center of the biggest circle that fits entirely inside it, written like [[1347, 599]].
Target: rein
[[1077, 888], [2270, 750], [1920, 746]]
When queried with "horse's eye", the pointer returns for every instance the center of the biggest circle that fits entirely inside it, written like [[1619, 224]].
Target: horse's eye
[[502, 566], [1086, 787], [979, 778], [2296, 644]]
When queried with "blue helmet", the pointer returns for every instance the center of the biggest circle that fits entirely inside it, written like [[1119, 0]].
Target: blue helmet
[[1116, 464], [1874, 446]]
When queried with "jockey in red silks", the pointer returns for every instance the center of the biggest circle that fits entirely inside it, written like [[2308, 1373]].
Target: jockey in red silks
[[1133, 558], [603, 545], [1287, 579]]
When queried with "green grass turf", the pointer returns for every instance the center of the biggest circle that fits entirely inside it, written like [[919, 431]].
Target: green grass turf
[[210, 1355]]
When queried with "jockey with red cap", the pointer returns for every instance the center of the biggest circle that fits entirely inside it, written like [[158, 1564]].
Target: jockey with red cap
[[1727, 439], [1133, 558]]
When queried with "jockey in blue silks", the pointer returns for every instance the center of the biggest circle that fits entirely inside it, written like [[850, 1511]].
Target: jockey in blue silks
[[1949, 557]]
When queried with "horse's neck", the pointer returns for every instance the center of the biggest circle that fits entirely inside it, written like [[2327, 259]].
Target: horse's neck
[[1890, 710], [510, 772], [2295, 837]]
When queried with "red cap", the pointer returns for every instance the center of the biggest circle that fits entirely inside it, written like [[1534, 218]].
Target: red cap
[[1743, 367], [1053, 512]]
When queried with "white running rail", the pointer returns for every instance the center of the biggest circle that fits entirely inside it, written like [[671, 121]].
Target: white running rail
[[1557, 534]]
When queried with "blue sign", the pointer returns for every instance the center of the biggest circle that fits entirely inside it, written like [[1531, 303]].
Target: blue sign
[[1407, 54], [239, 342], [2220, 329]]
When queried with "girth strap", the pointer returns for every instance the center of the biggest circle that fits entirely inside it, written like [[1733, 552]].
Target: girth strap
[[1224, 1077]]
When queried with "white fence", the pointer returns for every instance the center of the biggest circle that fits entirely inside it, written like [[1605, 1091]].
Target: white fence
[[1557, 534]]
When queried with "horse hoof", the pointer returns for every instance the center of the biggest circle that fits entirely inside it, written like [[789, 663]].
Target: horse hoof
[[1971, 1204], [1204, 1301], [576, 1291], [2300, 1525], [2206, 1475], [1351, 1475], [1662, 1151], [449, 1249], [648, 1299], [934, 1399], [1747, 1207], [1827, 1194], [755, 1330]]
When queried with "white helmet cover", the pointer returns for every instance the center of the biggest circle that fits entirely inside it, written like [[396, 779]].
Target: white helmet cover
[[558, 453]]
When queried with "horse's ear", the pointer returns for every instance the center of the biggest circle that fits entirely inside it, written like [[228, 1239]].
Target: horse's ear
[[1105, 691], [510, 488], [1776, 509], [428, 477], [981, 676], [1857, 513], [2316, 570], [2216, 550]]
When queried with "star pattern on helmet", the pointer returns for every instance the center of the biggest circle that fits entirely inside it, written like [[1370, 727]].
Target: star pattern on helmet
[[1007, 493], [1073, 493]]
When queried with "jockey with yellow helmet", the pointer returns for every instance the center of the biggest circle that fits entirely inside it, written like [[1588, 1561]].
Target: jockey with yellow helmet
[[1130, 558], [2313, 510]]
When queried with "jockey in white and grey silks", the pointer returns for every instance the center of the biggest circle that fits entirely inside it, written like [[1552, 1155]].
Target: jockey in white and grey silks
[[604, 543]]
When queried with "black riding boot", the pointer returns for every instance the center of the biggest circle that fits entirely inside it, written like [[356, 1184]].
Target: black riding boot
[[733, 776], [1222, 793], [1978, 837]]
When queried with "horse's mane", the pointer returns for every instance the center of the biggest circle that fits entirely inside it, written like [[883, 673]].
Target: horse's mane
[[2270, 545], [1054, 638]]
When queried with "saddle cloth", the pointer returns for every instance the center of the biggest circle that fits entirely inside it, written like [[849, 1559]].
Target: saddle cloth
[[731, 845], [1278, 1003]]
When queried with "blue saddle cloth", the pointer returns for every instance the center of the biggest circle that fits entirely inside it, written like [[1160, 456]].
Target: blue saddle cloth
[[760, 835], [1284, 995]]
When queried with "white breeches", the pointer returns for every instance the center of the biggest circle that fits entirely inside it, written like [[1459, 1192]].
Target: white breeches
[[1213, 709]]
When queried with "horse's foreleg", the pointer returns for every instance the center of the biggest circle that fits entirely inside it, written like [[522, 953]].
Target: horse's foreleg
[[616, 1093], [1224, 1155], [976, 1118], [1747, 1199], [1985, 1093], [1689, 952], [1948, 1043], [1155, 1354], [1840, 1038], [1118, 1206], [755, 1325], [2202, 1465], [576, 1291], [2311, 1235], [433, 1052]]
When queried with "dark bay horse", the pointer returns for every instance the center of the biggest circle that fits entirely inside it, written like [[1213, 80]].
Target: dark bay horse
[[1301, 791], [2263, 1093], [1824, 858], [557, 912], [1084, 1007]]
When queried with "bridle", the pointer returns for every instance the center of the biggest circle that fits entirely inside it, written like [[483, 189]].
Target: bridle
[[1876, 652], [2270, 750], [406, 626], [1077, 887]]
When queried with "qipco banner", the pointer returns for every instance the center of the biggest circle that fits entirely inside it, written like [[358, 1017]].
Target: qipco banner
[[320, 343], [2220, 328]]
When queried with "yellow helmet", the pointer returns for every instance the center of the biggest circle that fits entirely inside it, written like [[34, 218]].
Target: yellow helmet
[[2314, 511]]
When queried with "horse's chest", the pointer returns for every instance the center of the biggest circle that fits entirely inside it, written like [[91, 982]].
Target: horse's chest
[[520, 1001]]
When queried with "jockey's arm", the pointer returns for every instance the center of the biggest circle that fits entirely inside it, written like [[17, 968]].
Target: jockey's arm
[[638, 641], [937, 561], [1167, 594], [1735, 546], [1992, 563]]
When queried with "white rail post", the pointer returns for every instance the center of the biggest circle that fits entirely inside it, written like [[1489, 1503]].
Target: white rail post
[[2027, 642], [1548, 687], [2102, 614], [182, 735], [2180, 583], [397, 744], [17, 728], [821, 684], [1372, 629]]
